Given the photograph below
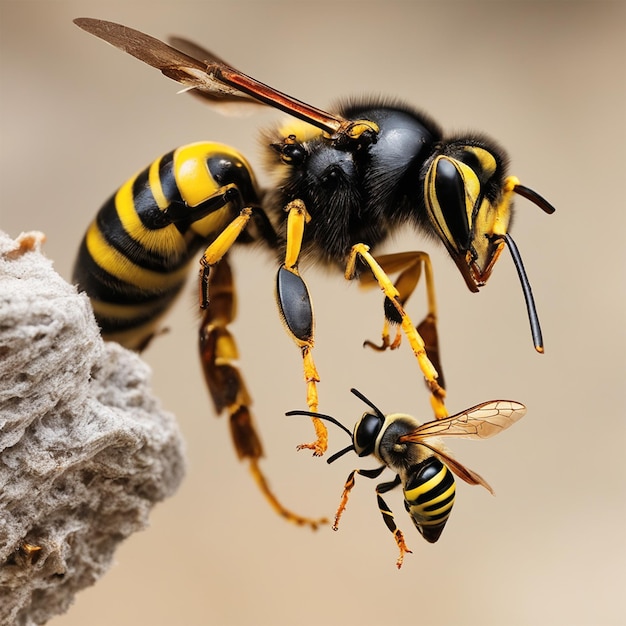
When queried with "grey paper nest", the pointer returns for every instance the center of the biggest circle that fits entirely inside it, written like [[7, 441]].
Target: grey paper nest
[[85, 449]]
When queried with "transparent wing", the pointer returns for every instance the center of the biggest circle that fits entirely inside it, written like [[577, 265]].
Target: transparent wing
[[227, 104], [215, 79], [480, 422], [464, 473]]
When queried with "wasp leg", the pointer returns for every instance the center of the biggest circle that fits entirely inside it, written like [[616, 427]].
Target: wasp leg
[[294, 304], [347, 488], [415, 340], [218, 351], [382, 505], [409, 265], [218, 248], [388, 518]]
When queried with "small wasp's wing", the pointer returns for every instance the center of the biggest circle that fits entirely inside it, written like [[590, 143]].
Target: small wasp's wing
[[480, 422], [464, 473], [213, 77]]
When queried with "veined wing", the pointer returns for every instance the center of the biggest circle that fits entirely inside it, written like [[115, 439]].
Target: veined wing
[[480, 422], [213, 77]]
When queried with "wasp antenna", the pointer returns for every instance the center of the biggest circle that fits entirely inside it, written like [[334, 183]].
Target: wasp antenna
[[369, 403], [335, 456], [533, 318], [321, 416], [535, 198]]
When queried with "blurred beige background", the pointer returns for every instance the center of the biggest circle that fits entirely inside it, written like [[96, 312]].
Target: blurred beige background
[[547, 80]]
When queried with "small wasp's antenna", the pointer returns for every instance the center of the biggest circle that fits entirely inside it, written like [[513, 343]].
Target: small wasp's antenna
[[334, 457], [332, 420], [533, 318], [321, 416], [369, 403]]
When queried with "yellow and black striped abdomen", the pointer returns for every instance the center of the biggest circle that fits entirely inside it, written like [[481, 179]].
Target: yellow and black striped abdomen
[[428, 497], [135, 256]]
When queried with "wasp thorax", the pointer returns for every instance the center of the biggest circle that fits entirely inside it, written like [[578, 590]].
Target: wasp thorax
[[394, 452]]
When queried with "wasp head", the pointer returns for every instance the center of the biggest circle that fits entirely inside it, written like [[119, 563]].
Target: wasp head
[[469, 205]]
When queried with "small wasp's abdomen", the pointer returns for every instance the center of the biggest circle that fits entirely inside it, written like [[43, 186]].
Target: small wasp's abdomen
[[429, 496], [135, 256]]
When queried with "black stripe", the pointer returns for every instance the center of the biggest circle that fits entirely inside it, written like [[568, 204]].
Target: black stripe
[[169, 185], [437, 505], [431, 533], [151, 216], [114, 325], [101, 285], [425, 471], [115, 235]]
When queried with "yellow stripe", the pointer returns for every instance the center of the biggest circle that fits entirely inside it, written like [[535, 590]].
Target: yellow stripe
[[416, 492], [442, 509], [121, 311], [446, 494], [433, 522], [118, 265], [486, 159], [439, 511], [154, 180], [195, 183], [212, 224], [165, 241]]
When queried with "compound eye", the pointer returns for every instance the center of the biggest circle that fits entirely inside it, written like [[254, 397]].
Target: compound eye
[[448, 202], [366, 432]]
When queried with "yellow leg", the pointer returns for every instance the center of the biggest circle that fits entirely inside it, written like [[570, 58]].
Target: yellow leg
[[216, 251], [409, 267], [296, 311], [415, 340]]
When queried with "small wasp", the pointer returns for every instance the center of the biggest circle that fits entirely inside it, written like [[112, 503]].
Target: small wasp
[[423, 465], [344, 183]]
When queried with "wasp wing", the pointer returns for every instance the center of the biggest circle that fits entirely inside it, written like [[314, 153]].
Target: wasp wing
[[194, 73], [464, 473], [226, 104], [192, 49], [480, 422], [214, 78]]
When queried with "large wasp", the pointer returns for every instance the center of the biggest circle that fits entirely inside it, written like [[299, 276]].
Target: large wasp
[[423, 465], [344, 183]]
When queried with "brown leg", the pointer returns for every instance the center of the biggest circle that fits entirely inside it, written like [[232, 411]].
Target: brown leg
[[218, 352]]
